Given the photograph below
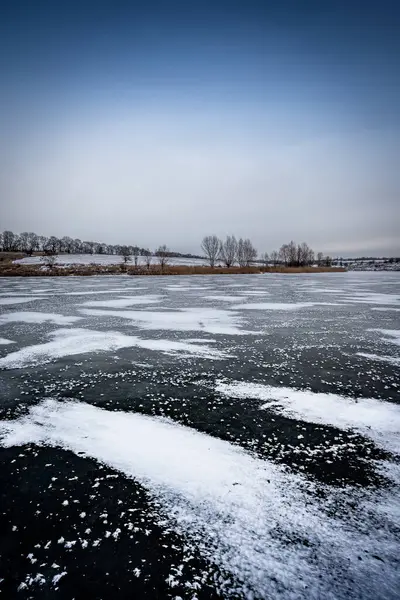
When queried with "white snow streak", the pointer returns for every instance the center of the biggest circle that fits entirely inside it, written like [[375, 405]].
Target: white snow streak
[[248, 516], [68, 342], [37, 317], [376, 419]]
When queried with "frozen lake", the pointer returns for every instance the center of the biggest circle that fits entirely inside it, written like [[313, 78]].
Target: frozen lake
[[200, 437]]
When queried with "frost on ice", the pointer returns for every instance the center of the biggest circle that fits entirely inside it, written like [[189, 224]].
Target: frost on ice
[[250, 517]]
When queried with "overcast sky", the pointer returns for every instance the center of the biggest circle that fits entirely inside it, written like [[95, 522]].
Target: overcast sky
[[160, 122]]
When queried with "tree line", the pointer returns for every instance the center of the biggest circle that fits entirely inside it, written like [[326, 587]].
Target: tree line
[[242, 252], [228, 252], [30, 242]]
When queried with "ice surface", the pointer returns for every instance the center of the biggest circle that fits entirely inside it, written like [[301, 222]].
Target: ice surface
[[37, 317], [92, 292], [373, 298], [4, 341], [225, 298], [124, 302], [281, 305], [16, 300], [209, 320], [390, 335], [392, 360], [68, 342], [250, 517], [373, 418]]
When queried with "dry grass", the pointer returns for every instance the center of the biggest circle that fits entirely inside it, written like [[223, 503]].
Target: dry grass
[[8, 257], [8, 269]]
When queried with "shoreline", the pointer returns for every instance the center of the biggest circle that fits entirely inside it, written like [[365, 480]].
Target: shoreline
[[18, 270]]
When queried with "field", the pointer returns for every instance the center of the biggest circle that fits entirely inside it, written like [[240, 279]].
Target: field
[[200, 437], [104, 260]]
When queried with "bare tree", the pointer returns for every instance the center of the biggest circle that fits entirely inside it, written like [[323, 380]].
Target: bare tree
[[240, 255], [125, 254], [136, 254], [305, 255], [67, 244], [163, 254], [228, 250], [292, 254], [8, 240], [211, 246], [320, 258], [284, 254], [264, 258], [147, 258], [249, 252], [28, 242], [274, 257]]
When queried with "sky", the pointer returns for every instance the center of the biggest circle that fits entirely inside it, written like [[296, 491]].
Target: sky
[[156, 123]]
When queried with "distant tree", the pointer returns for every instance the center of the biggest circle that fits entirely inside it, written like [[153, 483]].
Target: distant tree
[[274, 257], [240, 254], [305, 255], [8, 240], [284, 254], [211, 246], [292, 254], [249, 252], [52, 245], [162, 254], [264, 258], [125, 254], [28, 242], [228, 252], [147, 258], [136, 254], [67, 244], [320, 258], [328, 261]]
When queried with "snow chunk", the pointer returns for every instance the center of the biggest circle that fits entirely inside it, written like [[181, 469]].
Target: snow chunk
[[4, 341]]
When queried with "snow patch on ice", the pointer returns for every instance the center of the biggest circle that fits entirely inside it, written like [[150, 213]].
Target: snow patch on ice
[[69, 342], [38, 317], [124, 301], [209, 320], [4, 341], [17, 300], [282, 305], [390, 335], [248, 516], [392, 360], [373, 298], [225, 298], [111, 291], [375, 419]]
